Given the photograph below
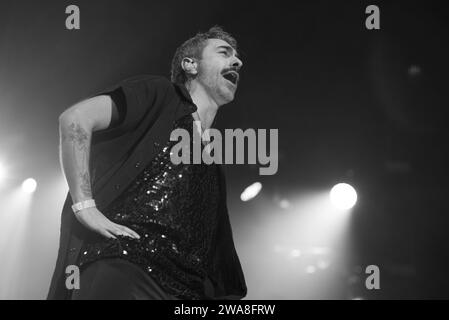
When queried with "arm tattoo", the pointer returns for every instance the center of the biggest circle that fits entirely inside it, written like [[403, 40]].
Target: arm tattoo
[[79, 139], [77, 135], [85, 184]]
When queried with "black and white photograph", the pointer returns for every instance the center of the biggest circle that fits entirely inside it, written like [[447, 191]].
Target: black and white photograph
[[224, 150]]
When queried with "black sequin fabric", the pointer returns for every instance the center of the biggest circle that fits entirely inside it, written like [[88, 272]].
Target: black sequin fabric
[[174, 210]]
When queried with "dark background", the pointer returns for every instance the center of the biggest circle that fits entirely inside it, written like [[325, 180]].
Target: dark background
[[356, 105]]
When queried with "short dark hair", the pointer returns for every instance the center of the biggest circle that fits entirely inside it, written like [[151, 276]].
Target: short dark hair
[[194, 48]]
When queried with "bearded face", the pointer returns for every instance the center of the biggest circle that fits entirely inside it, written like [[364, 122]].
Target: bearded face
[[218, 70]]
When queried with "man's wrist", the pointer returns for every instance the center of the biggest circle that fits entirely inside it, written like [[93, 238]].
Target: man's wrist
[[90, 203]]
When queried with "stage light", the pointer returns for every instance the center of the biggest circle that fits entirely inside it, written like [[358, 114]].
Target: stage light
[[343, 196], [251, 191], [29, 185]]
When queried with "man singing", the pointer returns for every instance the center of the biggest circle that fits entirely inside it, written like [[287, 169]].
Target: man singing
[[137, 225]]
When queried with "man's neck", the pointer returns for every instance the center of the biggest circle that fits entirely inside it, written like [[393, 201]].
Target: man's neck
[[207, 107]]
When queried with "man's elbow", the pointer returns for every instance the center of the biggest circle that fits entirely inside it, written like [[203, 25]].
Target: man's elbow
[[71, 117]]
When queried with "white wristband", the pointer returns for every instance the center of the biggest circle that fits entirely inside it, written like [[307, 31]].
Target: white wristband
[[83, 205]]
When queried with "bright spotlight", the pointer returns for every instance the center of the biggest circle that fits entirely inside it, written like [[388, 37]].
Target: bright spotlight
[[29, 185], [343, 196], [251, 191]]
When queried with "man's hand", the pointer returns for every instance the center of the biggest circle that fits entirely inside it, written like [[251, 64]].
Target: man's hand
[[94, 220]]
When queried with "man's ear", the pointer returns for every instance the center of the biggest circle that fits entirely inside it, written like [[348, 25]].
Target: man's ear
[[190, 66]]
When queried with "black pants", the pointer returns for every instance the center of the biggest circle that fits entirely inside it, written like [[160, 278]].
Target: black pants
[[117, 279]]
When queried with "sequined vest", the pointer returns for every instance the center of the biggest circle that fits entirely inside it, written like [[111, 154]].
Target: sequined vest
[[174, 210]]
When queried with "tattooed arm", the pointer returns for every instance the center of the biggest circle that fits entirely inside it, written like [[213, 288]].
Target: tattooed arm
[[76, 126]]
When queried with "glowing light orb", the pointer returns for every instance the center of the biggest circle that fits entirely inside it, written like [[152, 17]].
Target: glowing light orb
[[251, 191], [29, 185], [343, 196]]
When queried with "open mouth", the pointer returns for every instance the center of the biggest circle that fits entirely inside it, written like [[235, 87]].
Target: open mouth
[[231, 76]]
